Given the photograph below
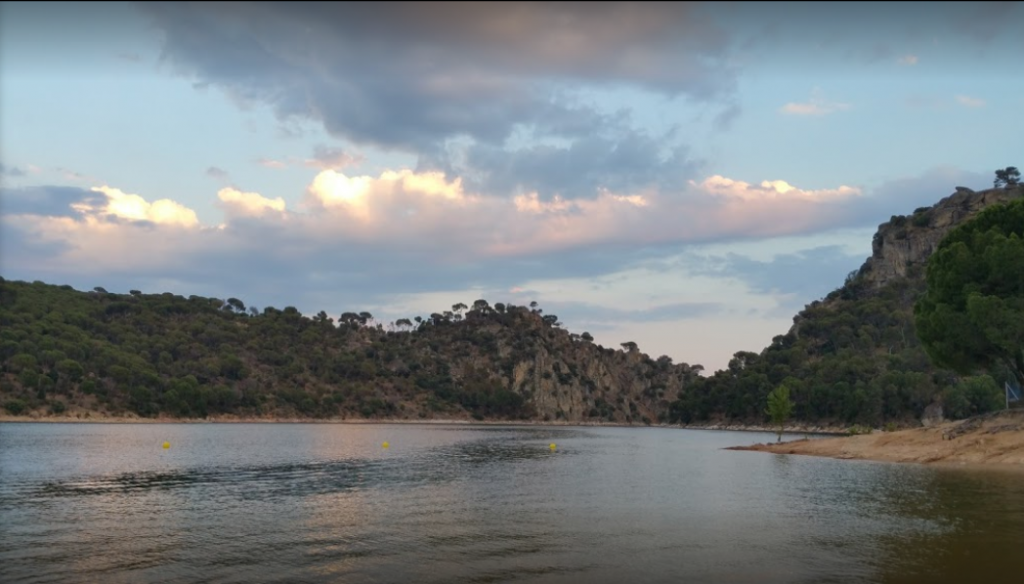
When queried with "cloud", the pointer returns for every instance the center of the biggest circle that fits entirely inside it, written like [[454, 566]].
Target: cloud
[[217, 173], [446, 70], [366, 238], [983, 22], [325, 157], [725, 118], [798, 277], [595, 314], [815, 106], [909, 60], [125, 206], [238, 203], [771, 189], [271, 163], [622, 160], [11, 170], [74, 175], [49, 201], [972, 102]]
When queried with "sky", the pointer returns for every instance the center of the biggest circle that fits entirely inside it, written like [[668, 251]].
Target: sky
[[686, 176]]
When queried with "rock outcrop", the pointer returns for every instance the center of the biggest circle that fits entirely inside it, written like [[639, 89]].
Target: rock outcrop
[[905, 242]]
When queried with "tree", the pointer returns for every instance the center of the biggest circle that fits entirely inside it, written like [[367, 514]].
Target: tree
[[972, 314], [779, 407], [1008, 177]]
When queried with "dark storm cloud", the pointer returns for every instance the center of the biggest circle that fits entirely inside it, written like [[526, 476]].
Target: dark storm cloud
[[412, 75]]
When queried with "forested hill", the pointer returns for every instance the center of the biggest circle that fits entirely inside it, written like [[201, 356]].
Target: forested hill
[[854, 357], [75, 353]]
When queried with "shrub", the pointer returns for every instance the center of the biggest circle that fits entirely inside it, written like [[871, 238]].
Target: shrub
[[15, 407]]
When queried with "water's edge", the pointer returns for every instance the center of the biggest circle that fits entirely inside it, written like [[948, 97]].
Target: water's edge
[[730, 427]]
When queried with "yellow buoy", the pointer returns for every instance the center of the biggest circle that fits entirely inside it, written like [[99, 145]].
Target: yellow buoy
[[167, 445], [551, 446], [385, 445]]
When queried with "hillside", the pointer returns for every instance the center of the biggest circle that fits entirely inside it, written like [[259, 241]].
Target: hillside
[[853, 357], [67, 351]]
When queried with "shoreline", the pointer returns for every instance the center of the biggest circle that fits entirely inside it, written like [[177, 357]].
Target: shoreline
[[993, 440], [718, 427], [990, 441]]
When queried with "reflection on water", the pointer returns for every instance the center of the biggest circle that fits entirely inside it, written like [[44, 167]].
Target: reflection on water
[[325, 503]]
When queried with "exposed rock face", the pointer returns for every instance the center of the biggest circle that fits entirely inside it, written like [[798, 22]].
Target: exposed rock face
[[906, 241], [565, 378]]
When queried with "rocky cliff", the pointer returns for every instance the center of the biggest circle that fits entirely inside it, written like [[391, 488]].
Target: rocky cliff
[[906, 241]]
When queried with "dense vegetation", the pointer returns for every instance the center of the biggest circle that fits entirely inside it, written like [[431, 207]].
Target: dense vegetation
[[972, 314], [164, 354]]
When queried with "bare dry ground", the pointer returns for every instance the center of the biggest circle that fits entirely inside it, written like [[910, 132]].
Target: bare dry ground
[[995, 440]]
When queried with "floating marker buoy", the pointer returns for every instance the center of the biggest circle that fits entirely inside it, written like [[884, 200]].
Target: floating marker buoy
[[385, 445], [552, 446], [167, 445]]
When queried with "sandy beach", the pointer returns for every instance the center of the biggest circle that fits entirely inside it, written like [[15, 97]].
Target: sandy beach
[[991, 440]]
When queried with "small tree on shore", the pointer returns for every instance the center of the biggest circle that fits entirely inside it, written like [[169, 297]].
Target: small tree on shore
[[779, 408]]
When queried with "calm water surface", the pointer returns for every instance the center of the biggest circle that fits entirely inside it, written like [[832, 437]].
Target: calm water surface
[[326, 503]]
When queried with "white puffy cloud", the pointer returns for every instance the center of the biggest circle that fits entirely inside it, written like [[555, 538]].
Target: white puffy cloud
[[132, 207], [248, 204], [400, 196], [401, 214], [770, 190]]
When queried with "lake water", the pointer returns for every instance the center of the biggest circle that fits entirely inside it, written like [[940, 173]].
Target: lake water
[[326, 503]]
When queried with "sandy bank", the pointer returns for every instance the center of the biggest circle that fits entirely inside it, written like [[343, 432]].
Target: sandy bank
[[995, 439]]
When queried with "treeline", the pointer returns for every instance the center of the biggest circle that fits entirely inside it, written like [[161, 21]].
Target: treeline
[[164, 354]]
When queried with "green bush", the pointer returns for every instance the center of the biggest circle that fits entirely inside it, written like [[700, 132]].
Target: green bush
[[972, 396], [15, 407]]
